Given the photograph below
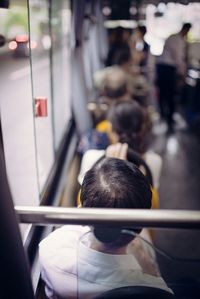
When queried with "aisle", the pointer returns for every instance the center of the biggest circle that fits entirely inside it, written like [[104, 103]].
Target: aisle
[[179, 189]]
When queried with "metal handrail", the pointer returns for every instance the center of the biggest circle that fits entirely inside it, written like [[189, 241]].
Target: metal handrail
[[44, 215]]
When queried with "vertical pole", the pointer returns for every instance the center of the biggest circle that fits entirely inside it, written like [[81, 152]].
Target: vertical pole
[[15, 280]]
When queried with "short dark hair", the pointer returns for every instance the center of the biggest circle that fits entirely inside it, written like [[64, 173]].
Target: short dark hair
[[128, 122], [115, 183], [186, 26]]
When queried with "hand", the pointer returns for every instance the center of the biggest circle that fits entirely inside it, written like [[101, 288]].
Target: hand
[[118, 150]]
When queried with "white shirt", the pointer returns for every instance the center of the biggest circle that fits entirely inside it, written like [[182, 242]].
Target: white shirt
[[65, 255], [174, 52], [152, 159]]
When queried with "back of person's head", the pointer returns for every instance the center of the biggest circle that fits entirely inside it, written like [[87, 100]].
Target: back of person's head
[[128, 122], [115, 183], [115, 83], [186, 28]]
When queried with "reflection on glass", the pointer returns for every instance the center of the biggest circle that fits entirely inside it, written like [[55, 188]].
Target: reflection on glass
[[61, 25], [40, 56], [16, 105]]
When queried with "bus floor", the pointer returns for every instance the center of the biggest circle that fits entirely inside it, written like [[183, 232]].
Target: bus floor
[[179, 189]]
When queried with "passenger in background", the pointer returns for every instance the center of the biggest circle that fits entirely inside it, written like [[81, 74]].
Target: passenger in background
[[137, 84], [112, 84], [128, 123], [120, 41], [82, 262], [140, 48], [171, 65]]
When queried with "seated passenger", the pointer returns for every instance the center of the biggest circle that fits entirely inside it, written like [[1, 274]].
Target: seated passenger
[[137, 85], [127, 124], [76, 263]]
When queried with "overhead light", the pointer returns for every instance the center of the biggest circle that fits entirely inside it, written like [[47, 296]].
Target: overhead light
[[161, 7], [129, 24], [133, 10], [106, 10]]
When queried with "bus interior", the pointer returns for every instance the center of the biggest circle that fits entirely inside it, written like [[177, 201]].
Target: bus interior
[[52, 54]]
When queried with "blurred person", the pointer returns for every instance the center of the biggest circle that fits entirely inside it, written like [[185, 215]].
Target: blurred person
[[80, 261], [140, 48], [136, 84], [127, 123], [172, 64], [114, 86], [120, 41]]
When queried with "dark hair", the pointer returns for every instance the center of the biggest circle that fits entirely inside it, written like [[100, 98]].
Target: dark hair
[[128, 122], [115, 183], [186, 27], [142, 29], [122, 55]]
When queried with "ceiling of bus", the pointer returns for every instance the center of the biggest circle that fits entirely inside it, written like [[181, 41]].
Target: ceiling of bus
[[120, 9]]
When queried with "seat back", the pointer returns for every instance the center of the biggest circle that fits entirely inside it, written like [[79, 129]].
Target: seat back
[[136, 292]]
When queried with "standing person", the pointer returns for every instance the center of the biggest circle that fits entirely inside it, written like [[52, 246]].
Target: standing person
[[170, 64]]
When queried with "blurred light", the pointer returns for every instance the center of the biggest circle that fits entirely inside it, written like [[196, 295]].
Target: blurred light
[[120, 23], [156, 47], [33, 44], [139, 45], [172, 145], [91, 106], [22, 38], [106, 10], [190, 81], [133, 10], [46, 42], [142, 10], [12, 45], [161, 7], [193, 74]]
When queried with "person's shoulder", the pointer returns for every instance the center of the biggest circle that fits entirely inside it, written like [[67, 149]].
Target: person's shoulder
[[173, 37], [60, 241]]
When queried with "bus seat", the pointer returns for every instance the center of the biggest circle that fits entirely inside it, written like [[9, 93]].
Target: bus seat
[[136, 292]]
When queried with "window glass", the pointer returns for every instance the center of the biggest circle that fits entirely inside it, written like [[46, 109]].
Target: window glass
[[61, 24], [16, 105], [41, 80]]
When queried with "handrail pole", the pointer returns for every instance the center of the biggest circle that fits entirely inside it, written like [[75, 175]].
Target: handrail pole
[[125, 217]]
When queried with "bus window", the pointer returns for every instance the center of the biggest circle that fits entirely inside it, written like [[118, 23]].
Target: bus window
[[16, 105], [35, 79]]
